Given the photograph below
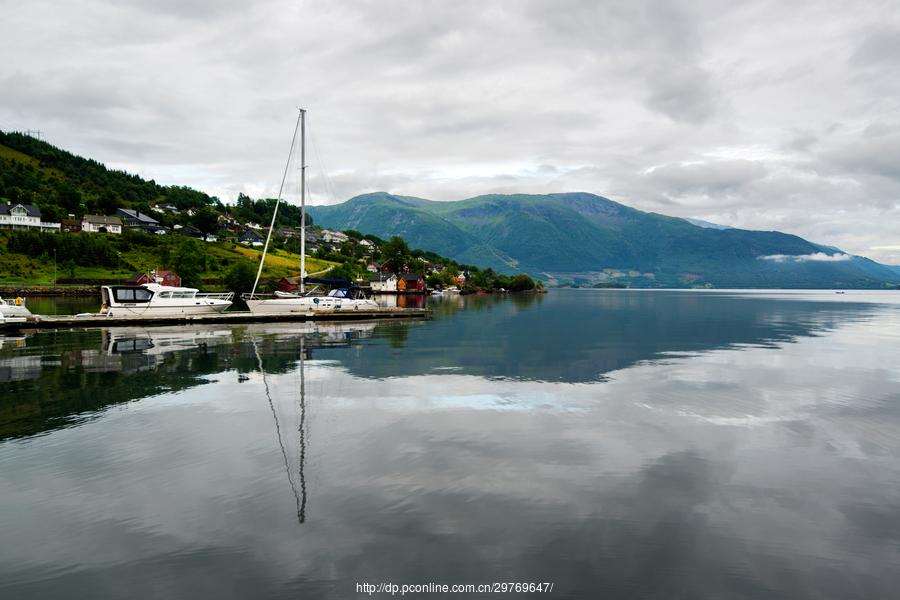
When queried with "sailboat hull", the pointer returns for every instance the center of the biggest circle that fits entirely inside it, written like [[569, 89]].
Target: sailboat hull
[[304, 304]]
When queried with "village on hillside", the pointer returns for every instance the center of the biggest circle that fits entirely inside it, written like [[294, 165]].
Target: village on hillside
[[382, 266]]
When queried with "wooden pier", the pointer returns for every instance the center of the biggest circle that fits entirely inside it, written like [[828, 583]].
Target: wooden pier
[[98, 320]]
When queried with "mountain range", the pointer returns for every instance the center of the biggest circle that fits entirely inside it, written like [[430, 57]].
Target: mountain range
[[583, 238]]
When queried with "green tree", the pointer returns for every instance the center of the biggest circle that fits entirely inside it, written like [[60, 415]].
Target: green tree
[[189, 261], [395, 253], [206, 220], [240, 276], [348, 271], [521, 283], [69, 198]]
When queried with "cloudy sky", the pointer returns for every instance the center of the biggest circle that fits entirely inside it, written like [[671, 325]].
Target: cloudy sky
[[764, 115]]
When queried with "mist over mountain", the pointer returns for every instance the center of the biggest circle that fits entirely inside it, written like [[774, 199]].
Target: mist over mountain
[[585, 238]]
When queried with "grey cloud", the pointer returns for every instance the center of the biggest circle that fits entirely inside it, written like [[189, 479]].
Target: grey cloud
[[881, 45], [801, 141], [188, 9], [708, 177], [876, 152], [684, 94]]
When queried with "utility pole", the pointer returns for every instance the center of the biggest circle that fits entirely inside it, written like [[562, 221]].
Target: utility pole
[[54, 266]]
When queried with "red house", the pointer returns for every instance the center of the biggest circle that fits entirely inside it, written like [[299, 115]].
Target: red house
[[168, 278], [289, 284], [411, 283]]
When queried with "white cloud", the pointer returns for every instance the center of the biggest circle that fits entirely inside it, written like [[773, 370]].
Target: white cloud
[[816, 257]]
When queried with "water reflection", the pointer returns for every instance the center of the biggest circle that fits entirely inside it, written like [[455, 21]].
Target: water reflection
[[54, 379], [580, 335], [297, 487], [575, 337], [719, 459]]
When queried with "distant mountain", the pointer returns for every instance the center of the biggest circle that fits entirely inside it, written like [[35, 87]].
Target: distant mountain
[[707, 224], [584, 238]]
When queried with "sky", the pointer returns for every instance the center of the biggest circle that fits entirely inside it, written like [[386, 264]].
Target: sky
[[761, 115]]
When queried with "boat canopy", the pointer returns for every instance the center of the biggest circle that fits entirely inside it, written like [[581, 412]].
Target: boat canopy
[[351, 292]]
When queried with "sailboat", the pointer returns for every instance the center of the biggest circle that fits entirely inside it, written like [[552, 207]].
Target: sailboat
[[348, 298]]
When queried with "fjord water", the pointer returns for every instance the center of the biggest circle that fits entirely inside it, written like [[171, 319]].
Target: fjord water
[[616, 443]]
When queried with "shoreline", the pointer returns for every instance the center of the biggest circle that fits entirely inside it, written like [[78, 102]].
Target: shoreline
[[61, 291], [88, 291]]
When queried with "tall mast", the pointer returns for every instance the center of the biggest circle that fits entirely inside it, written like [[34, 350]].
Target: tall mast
[[302, 200], [262, 260]]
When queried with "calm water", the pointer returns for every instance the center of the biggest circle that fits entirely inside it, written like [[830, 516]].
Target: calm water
[[63, 305], [616, 443]]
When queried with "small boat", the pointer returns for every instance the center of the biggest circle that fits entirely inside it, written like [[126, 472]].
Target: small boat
[[157, 300], [14, 311], [344, 298]]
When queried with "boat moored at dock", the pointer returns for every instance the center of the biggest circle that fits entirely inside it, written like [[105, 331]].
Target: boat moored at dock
[[337, 299], [157, 300], [345, 298], [14, 311]]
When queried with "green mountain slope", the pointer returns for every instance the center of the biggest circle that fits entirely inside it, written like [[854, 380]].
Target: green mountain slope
[[580, 236], [59, 182]]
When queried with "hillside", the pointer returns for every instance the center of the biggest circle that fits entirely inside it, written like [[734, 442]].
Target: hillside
[[59, 182], [27, 258], [580, 237]]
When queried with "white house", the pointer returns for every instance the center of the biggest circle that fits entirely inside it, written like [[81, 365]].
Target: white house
[[384, 283], [100, 223], [329, 236], [24, 216]]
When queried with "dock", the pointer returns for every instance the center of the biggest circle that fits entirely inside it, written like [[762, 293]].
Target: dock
[[98, 320]]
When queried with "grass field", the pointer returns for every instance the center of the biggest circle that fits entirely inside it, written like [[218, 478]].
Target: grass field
[[18, 269], [7, 152]]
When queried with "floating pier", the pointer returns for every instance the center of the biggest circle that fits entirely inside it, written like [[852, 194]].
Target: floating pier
[[98, 320]]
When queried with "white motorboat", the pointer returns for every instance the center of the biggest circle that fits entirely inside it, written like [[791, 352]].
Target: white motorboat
[[157, 300], [348, 298], [14, 311]]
